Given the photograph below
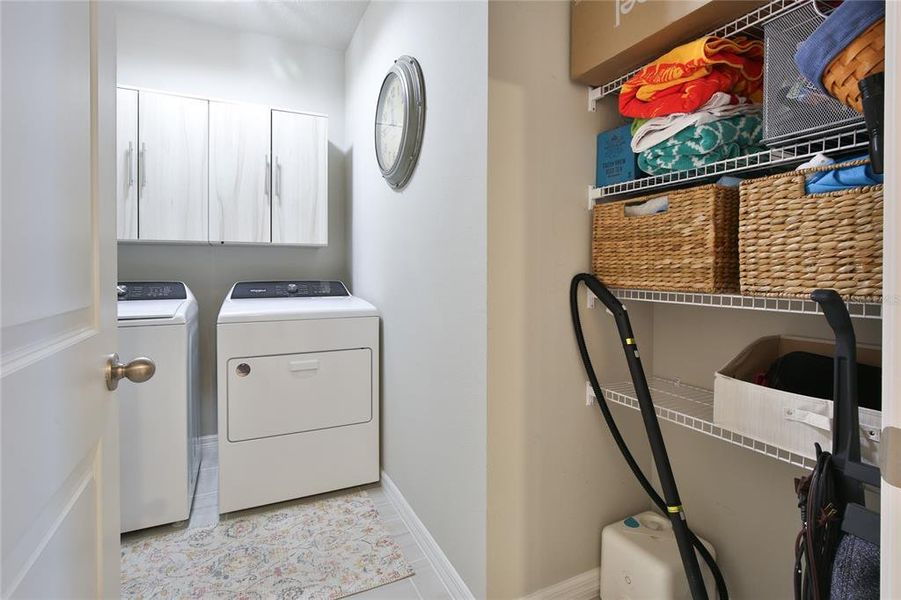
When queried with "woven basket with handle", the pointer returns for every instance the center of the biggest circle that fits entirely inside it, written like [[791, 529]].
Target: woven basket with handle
[[692, 246], [791, 243], [863, 57]]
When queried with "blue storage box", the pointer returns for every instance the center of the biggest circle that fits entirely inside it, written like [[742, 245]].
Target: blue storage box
[[615, 160]]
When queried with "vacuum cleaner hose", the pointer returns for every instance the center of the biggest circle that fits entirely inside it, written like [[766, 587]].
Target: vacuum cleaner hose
[[685, 538]]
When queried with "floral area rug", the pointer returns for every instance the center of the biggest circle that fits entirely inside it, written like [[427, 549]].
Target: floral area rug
[[324, 548]]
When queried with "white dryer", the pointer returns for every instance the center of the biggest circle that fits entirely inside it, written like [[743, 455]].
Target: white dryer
[[159, 419], [298, 389]]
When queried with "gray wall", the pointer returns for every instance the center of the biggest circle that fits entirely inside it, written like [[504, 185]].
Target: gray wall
[[176, 55], [420, 256]]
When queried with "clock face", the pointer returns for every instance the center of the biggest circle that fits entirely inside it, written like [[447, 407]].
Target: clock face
[[389, 121], [399, 121]]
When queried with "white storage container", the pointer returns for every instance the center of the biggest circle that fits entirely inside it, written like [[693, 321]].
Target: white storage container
[[640, 560], [790, 421]]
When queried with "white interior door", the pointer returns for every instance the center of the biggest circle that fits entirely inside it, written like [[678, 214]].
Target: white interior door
[[172, 167], [127, 164], [300, 179], [240, 172], [59, 479], [890, 498]]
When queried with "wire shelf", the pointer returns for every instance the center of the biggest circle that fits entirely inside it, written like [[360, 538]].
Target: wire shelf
[[692, 407], [745, 24], [835, 142], [861, 310]]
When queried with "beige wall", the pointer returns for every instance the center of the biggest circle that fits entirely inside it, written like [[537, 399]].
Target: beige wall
[[554, 475], [555, 478], [739, 500]]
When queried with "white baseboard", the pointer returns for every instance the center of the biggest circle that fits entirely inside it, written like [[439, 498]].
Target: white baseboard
[[585, 586], [443, 567]]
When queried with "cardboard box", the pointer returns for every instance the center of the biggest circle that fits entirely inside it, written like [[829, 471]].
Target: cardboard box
[[785, 420], [611, 37], [615, 160]]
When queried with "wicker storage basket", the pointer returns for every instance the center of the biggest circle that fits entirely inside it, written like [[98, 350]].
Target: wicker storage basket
[[863, 57], [791, 243], [692, 246]]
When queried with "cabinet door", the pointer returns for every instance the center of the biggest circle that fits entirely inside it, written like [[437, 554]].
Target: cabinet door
[[239, 173], [127, 164], [172, 170], [300, 179]]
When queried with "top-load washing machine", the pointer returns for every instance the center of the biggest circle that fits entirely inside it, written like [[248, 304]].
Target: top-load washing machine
[[298, 389], [159, 419]]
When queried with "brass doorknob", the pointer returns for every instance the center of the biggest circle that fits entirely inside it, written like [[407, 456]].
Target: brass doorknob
[[138, 371]]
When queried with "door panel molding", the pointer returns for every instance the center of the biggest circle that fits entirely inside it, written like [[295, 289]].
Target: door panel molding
[[29, 342], [29, 549]]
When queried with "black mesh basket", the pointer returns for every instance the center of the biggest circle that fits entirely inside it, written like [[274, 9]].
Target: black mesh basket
[[793, 108]]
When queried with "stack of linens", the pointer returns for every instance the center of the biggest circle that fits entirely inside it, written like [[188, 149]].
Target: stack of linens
[[696, 105]]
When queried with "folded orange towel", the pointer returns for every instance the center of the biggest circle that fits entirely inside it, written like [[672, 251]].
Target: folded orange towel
[[686, 77]]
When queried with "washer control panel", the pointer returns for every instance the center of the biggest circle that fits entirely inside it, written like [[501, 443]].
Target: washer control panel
[[288, 289], [151, 290]]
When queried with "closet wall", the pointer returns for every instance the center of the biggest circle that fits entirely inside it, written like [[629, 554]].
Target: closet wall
[[181, 56], [743, 502], [555, 476]]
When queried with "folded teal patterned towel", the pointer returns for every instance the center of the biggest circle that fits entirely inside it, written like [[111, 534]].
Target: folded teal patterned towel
[[704, 144]]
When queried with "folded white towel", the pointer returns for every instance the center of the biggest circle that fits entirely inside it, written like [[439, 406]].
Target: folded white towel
[[817, 160], [648, 207], [658, 129]]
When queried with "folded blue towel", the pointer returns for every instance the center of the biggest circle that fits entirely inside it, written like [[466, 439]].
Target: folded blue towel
[[846, 23], [843, 178]]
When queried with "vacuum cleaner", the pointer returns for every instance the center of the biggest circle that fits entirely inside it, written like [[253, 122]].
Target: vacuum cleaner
[[670, 504], [837, 549]]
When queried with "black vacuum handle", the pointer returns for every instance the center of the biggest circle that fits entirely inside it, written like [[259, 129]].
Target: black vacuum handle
[[655, 437], [837, 316], [845, 423]]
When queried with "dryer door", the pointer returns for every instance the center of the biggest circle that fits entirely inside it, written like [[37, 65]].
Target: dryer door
[[294, 393]]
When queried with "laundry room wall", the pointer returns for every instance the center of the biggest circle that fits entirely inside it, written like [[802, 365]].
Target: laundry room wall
[[182, 56], [555, 476], [419, 255]]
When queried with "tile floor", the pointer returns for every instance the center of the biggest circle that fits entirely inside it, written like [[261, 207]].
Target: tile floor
[[424, 585]]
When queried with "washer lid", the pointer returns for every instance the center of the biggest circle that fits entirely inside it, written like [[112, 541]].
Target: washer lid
[[251, 310], [170, 311], [154, 303]]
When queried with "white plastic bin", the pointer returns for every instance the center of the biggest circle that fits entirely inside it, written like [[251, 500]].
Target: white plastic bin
[[782, 419]]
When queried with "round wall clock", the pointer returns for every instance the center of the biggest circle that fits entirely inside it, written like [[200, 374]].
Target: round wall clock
[[399, 121]]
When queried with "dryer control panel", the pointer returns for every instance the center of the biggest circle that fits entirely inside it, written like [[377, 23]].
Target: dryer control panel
[[151, 290], [288, 289]]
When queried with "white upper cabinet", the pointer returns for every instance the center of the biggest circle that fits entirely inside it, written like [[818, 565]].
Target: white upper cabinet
[[127, 164], [239, 173], [299, 178], [195, 170], [172, 169]]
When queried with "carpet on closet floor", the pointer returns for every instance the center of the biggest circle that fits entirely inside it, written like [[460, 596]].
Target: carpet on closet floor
[[323, 548]]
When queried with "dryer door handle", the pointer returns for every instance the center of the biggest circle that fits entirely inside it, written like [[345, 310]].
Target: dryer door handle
[[303, 365]]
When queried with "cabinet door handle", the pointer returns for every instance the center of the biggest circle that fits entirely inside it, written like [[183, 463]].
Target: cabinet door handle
[[278, 179], [266, 177], [129, 156], [142, 165]]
